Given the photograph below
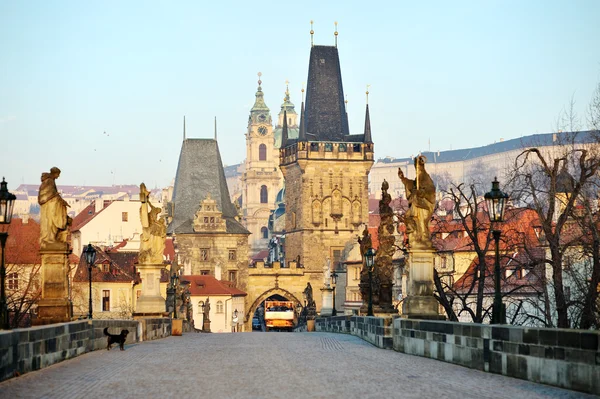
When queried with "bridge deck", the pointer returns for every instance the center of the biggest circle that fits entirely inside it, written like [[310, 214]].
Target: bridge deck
[[265, 365]]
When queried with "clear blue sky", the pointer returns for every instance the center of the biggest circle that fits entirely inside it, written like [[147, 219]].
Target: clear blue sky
[[460, 74]]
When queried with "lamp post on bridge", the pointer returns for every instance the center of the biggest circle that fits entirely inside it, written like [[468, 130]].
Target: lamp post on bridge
[[7, 202], [370, 265], [334, 277], [90, 257], [495, 203]]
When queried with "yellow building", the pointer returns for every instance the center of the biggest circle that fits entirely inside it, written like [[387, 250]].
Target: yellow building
[[116, 285]]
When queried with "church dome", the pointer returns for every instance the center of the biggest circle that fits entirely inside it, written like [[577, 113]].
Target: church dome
[[280, 196]]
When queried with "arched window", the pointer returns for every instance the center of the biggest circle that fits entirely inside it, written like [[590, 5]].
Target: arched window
[[264, 232], [219, 306], [264, 195], [262, 152]]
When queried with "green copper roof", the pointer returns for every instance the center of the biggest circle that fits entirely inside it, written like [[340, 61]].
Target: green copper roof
[[259, 104]]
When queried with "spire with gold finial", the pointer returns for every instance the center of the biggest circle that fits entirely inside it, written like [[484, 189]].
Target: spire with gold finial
[[312, 32], [368, 139], [259, 104], [335, 33]]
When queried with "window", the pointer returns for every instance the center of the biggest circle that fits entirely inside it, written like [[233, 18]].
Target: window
[[264, 195], [232, 254], [444, 262], [124, 216], [205, 219], [13, 281], [138, 294], [328, 147], [219, 306], [264, 232], [212, 219], [106, 300], [204, 272], [105, 267], [233, 276], [262, 152], [204, 254]]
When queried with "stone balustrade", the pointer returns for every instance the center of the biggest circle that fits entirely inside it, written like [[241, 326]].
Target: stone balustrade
[[28, 349], [561, 357]]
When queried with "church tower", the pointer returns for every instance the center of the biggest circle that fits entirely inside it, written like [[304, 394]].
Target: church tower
[[325, 170], [261, 179]]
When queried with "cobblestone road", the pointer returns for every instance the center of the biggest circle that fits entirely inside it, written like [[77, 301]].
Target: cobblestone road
[[265, 365]]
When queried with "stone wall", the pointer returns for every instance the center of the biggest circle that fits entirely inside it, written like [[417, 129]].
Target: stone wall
[[375, 330], [28, 349], [559, 357]]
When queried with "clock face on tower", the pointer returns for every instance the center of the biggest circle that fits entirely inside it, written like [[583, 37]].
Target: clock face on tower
[[262, 130]]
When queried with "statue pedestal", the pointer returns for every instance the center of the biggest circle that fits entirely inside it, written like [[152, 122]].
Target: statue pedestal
[[54, 305], [420, 302], [327, 304], [150, 301], [206, 325]]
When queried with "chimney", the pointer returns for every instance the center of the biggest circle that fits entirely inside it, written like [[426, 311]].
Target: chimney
[[25, 218], [99, 205]]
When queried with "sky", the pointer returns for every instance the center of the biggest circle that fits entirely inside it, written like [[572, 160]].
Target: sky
[[100, 88]]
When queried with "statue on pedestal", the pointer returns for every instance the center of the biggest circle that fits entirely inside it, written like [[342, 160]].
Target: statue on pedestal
[[154, 231], [54, 221], [421, 202], [327, 273], [206, 312]]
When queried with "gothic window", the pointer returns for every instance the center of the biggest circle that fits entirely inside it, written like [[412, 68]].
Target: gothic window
[[219, 306], [205, 219], [342, 147], [13, 281], [233, 276], [336, 202], [262, 152], [232, 254], [316, 212], [264, 197], [356, 212], [264, 232], [328, 147]]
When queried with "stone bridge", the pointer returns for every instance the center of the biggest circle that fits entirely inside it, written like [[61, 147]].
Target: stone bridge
[[265, 365]]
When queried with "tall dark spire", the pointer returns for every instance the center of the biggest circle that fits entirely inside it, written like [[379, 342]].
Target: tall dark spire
[[368, 138], [215, 127], [284, 130], [302, 133], [325, 108], [183, 127]]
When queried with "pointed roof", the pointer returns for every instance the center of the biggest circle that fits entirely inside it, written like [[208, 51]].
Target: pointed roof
[[199, 173], [368, 127], [259, 103], [302, 134], [287, 103], [325, 107]]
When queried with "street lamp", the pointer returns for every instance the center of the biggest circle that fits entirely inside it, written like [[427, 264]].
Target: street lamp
[[7, 202], [334, 277], [370, 264], [174, 284], [90, 257], [495, 203]]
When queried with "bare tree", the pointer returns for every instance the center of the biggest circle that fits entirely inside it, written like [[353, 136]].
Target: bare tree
[[552, 180]]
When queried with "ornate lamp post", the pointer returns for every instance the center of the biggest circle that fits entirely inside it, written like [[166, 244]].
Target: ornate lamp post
[[7, 202], [90, 257], [370, 264], [495, 203], [174, 284], [334, 277]]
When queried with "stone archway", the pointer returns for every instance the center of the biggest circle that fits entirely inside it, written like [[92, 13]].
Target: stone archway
[[273, 291]]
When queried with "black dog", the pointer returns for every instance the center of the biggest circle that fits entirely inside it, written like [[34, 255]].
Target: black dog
[[116, 339]]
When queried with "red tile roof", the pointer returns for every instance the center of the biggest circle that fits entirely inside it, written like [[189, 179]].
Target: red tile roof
[[23, 242], [121, 268], [87, 214], [208, 285], [518, 282]]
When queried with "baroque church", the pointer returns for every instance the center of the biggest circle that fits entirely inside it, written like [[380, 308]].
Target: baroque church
[[262, 180]]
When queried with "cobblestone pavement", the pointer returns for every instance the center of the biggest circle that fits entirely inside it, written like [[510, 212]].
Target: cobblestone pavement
[[265, 365]]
